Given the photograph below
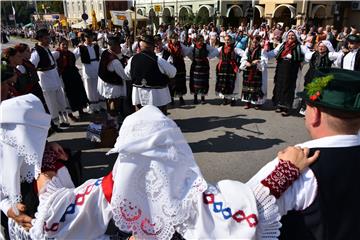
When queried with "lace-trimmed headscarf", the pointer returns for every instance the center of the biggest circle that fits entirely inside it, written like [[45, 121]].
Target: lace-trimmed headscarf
[[156, 180], [24, 126], [158, 188]]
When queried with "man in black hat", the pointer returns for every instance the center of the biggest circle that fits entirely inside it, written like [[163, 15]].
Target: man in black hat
[[150, 76], [325, 198], [89, 54], [351, 58], [45, 62], [112, 85]]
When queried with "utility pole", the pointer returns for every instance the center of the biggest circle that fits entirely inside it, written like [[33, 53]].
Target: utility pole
[[13, 12], [135, 21], [252, 16]]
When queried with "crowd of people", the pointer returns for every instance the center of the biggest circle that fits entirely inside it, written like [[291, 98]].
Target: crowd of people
[[155, 189]]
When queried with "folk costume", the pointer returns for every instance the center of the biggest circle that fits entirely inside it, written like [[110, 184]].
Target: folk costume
[[112, 82], [150, 77], [350, 60], [227, 77], [322, 203], [23, 134], [90, 55], [317, 60], [289, 56], [254, 79], [28, 81], [73, 84], [50, 82], [199, 70], [178, 83], [155, 189]]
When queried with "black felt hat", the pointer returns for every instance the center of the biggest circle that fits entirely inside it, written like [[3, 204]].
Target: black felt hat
[[41, 33]]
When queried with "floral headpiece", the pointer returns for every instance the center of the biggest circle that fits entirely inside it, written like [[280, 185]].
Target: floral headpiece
[[315, 88]]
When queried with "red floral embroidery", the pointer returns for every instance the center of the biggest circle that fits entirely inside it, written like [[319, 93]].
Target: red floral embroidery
[[281, 178]]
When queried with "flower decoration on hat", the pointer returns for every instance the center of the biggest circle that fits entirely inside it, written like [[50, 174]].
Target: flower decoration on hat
[[315, 88]]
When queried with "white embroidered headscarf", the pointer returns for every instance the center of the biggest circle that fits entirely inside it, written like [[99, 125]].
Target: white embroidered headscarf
[[297, 35], [156, 179], [328, 45], [24, 126]]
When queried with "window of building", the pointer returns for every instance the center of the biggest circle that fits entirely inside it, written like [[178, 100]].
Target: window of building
[[100, 7]]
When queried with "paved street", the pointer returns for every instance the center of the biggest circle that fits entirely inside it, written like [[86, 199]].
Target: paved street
[[228, 142]]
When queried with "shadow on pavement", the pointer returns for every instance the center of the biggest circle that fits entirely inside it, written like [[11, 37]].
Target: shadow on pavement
[[231, 142], [96, 164], [200, 124]]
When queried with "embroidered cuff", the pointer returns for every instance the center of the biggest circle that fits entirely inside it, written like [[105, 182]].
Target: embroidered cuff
[[281, 178], [50, 161]]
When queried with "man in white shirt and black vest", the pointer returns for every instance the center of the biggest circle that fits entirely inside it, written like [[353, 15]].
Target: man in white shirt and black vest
[[112, 85], [323, 203], [150, 76], [89, 54], [350, 59], [45, 62]]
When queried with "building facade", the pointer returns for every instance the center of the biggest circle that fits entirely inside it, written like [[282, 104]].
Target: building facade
[[75, 8], [222, 12]]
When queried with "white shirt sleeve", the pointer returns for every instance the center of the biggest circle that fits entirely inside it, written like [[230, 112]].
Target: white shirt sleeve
[[5, 205], [21, 68], [338, 60], [186, 51], [333, 56], [271, 54], [127, 68], [308, 56], [239, 51], [244, 59], [298, 196], [116, 66], [213, 52], [35, 58], [55, 54], [166, 68], [76, 52]]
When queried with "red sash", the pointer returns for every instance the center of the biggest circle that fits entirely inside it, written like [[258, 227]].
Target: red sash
[[107, 186]]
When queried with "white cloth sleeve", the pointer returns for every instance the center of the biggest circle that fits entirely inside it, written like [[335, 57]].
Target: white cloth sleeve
[[56, 54], [263, 61], [5, 205], [128, 68], [308, 56], [271, 54], [298, 196], [35, 58], [166, 68], [71, 213], [21, 68], [116, 66], [186, 51], [213, 52], [76, 52], [239, 52], [244, 59], [333, 56]]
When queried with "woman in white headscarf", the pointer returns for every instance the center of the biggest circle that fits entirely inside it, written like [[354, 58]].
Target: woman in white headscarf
[[289, 56], [323, 57], [156, 189], [24, 126]]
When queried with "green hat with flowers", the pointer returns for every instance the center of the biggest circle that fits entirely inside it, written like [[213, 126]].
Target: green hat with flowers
[[334, 88]]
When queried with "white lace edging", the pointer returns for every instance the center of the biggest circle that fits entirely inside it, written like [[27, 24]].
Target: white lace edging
[[268, 214], [16, 231], [29, 158], [53, 188], [174, 220]]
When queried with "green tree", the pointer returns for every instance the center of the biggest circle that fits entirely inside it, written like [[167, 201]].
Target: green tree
[[23, 11]]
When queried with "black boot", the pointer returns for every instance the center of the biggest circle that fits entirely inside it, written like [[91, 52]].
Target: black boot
[[203, 100], [195, 99], [182, 102]]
